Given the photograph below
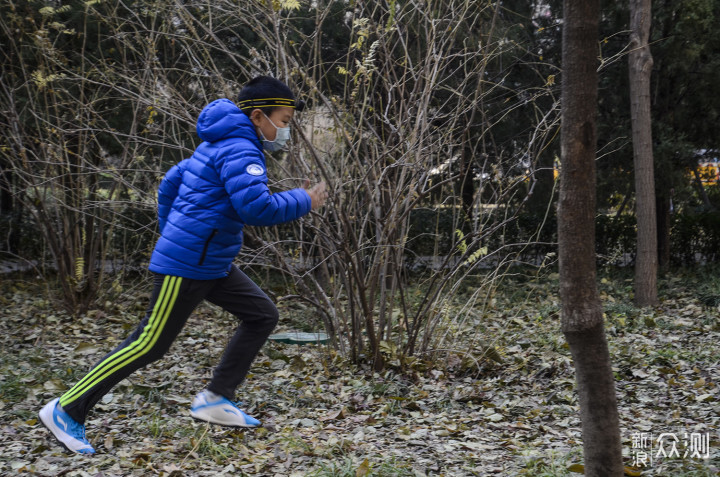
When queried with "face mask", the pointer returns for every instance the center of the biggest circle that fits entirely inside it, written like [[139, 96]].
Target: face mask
[[282, 135]]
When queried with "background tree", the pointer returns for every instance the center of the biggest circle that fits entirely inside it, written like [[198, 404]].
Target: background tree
[[640, 67], [685, 96], [581, 312], [684, 106]]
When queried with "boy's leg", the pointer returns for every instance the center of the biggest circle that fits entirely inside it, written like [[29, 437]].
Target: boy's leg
[[239, 295], [172, 302]]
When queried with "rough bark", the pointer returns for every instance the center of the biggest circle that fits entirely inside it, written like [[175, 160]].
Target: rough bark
[[582, 318], [640, 62]]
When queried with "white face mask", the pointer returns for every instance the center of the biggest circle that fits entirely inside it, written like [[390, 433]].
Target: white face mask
[[282, 135]]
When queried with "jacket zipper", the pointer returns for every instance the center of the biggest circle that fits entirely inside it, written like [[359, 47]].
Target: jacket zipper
[[207, 244]]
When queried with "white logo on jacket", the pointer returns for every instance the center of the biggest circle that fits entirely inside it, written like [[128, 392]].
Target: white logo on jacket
[[255, 170]]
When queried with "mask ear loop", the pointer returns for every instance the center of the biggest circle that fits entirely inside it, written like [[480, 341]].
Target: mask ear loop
[[268, 118], [262, 136]]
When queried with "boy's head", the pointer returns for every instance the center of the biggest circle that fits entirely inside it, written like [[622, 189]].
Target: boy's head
[[269, 104]]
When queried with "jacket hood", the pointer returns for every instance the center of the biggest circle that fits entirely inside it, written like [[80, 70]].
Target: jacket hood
[[222, 119]]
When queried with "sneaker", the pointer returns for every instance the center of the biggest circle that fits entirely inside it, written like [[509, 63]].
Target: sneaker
[[210, 407], [69, 432]]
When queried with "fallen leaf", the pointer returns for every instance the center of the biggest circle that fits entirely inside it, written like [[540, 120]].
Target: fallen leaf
[[173, 470], [640, 373], [632, 471], [341, 414], [86, 348], [363, 469], [54, 385]]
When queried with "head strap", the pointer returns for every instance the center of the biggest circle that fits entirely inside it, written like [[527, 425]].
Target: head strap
[[266, 103]]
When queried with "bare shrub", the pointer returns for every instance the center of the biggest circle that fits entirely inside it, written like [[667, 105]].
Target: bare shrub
[[98, 101]]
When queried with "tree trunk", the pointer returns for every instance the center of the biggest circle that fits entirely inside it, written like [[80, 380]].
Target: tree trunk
[[701, 188], [640, 62], [582, 317]]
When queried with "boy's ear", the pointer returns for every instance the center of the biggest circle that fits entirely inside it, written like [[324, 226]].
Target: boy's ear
[[255, 116]]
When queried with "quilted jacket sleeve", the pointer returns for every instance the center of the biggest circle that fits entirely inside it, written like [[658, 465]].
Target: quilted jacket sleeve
[[245, 180], [168, 190]]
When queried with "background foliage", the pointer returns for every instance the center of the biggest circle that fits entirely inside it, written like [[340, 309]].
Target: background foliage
[[434, 124]]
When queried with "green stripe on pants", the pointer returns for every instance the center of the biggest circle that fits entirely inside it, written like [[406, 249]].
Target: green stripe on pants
[[141, 346]]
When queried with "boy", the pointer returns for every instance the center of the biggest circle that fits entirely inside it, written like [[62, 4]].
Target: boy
[[203, 204]]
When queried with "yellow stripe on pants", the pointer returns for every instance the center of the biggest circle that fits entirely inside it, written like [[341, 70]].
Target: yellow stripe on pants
[[141, 346]]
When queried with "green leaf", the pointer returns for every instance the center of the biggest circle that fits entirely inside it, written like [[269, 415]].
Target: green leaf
[[577, 468]]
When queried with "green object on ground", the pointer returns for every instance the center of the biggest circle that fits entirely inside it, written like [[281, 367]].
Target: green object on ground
[[300, 338]]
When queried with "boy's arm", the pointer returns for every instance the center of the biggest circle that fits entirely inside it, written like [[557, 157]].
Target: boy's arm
[[168, 191], [245, 179]]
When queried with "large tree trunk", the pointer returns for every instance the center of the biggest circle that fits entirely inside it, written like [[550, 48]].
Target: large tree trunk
[[582, 317], [640, 61]]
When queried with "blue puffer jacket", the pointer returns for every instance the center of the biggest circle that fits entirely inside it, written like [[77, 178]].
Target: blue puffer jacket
[[204, 201]]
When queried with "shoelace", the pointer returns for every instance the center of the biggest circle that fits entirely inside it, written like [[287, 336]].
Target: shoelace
[[77, 429]]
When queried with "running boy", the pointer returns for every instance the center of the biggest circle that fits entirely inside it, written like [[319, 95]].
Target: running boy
[[203, 204]]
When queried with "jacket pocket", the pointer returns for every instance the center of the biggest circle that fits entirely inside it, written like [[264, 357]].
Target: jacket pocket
[[207, 244]]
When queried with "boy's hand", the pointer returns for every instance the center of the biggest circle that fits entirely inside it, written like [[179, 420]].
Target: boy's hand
[[318, 194]]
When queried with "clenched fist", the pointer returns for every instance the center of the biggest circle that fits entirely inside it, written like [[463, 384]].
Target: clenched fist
[[318, 194]]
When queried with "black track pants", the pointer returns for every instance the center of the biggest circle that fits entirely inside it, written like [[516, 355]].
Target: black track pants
[[173, 300]]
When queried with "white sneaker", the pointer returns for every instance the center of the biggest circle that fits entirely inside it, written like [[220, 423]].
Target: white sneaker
[[70, 433], [210, 407]]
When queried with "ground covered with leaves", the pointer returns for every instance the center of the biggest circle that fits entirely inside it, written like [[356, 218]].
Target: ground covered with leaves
[[322, 416]]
